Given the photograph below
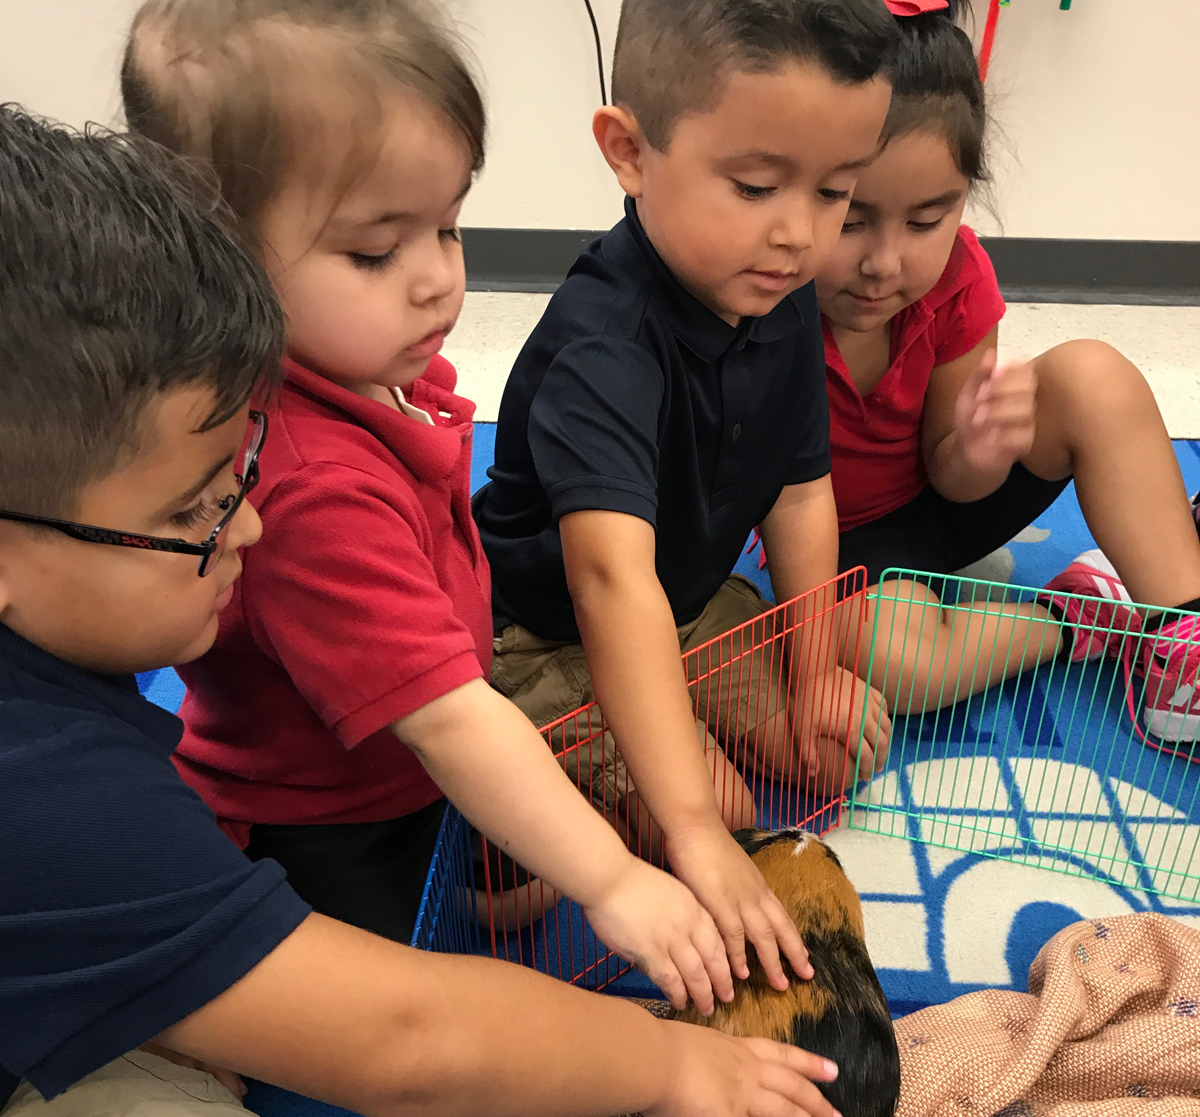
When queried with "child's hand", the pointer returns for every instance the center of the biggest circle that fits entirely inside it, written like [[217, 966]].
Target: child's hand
[[731, 888], [655, 922], [842, 722], [996, 415], [718, 1076]]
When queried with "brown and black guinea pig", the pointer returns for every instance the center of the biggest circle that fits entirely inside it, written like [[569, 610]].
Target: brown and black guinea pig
[[841, 1013]]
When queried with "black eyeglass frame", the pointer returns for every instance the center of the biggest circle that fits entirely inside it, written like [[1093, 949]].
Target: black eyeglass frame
[[206, 550]]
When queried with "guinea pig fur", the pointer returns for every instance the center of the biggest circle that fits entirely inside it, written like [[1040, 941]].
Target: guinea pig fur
[[841, 1013]]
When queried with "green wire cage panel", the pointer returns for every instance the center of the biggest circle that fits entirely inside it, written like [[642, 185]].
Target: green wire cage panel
[[1004, 747]]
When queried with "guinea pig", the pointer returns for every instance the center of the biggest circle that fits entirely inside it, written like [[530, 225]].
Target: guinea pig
[[841, 1013]]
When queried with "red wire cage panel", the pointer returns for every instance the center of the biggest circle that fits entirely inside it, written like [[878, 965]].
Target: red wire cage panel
[[753, 700]]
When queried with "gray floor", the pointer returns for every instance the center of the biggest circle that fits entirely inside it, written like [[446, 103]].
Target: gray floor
[[1164, 342]]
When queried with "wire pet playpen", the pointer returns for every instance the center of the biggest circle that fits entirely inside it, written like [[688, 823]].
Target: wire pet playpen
[[447, 920], [1048, 768], [1051, 767]]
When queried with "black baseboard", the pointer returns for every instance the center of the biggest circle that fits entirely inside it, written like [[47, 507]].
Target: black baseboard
[[521, 259], [1151, 273]]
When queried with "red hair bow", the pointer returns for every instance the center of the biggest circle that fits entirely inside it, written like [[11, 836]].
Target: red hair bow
[[915, 7]]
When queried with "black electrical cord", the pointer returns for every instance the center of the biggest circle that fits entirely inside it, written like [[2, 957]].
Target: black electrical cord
[[599, 51]]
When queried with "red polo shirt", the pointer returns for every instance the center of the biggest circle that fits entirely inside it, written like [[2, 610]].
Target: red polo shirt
[[367, 598], [876, 440]]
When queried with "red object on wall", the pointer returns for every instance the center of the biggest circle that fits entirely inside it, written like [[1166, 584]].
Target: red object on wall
[[989, 38]]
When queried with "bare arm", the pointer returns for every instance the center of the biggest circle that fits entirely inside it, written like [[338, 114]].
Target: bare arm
[[800, 540], [496, 768], [977, 421], [828, 703], [632, 649], [355, 1020]]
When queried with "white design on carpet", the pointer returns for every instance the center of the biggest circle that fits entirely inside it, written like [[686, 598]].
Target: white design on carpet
[[941, 922]]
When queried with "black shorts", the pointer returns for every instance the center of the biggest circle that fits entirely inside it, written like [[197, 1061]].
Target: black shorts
[[370, 874], [934, 534]]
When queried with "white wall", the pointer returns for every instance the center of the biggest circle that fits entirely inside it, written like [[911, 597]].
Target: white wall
[[61, 58], [1100, 107], [538, 61], [1100, 113]]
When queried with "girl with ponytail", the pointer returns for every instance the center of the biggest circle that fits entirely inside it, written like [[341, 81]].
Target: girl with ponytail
[[940, 454]]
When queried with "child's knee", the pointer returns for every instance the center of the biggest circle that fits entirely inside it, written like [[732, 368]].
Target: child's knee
[[1087, 374]]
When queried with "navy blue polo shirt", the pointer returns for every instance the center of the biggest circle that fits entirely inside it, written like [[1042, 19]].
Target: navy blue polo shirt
[[632, 396], [123, 908]]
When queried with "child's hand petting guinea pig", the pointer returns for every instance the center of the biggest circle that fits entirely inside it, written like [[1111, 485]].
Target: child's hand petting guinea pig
[[841, 1014], [655, 922], [725, 1077]]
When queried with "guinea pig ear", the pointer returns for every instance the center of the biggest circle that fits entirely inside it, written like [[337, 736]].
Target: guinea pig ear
[[752, 840]]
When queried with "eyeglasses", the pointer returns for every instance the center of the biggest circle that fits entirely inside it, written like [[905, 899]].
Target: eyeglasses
[[210, 551]]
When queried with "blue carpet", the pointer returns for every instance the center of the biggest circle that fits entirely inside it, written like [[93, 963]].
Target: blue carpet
[[942, 921]]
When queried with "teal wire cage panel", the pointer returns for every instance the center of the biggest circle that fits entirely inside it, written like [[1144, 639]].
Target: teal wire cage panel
[[1003, 747]]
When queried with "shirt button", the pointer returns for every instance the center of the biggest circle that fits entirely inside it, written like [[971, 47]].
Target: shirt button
[[737, 431]]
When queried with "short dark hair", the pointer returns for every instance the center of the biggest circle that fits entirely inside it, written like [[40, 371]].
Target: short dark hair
[[674, 56], [248, 85], [936, 85], [119, 281]]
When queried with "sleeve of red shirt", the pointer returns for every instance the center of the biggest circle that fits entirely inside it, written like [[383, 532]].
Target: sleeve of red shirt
[[342, 595], [974, 308]]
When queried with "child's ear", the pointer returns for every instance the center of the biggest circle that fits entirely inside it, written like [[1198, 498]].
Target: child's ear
[[622, 145]]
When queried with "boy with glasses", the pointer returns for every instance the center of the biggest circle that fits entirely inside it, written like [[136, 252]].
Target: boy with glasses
[[138, 945]]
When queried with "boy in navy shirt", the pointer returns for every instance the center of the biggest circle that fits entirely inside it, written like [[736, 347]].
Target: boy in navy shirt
[[671, 399], [139, 948]]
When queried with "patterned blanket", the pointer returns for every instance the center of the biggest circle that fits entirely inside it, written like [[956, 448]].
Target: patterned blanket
[[1110, 1026]]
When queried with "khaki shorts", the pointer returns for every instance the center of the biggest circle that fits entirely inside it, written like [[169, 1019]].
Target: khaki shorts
[[136, 1085], [735, 684]]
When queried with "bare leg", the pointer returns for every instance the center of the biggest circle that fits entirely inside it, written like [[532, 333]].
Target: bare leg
[[1098, 422], [927, 656]]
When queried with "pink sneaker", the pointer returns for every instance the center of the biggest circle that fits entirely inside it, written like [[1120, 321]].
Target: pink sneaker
[[1100, 626], [1169, 661]]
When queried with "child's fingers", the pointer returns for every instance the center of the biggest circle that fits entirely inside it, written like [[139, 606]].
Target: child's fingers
[[989, 366], [815, 1068], [860, 752], [781, 937], [978, 384], [790, 942], [1011, 405], [708, 944], [691, 969], [734, 938], [790, 1095], [760, 932], [671, 982], [883, 737], [883, 726], [790, 1073]]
